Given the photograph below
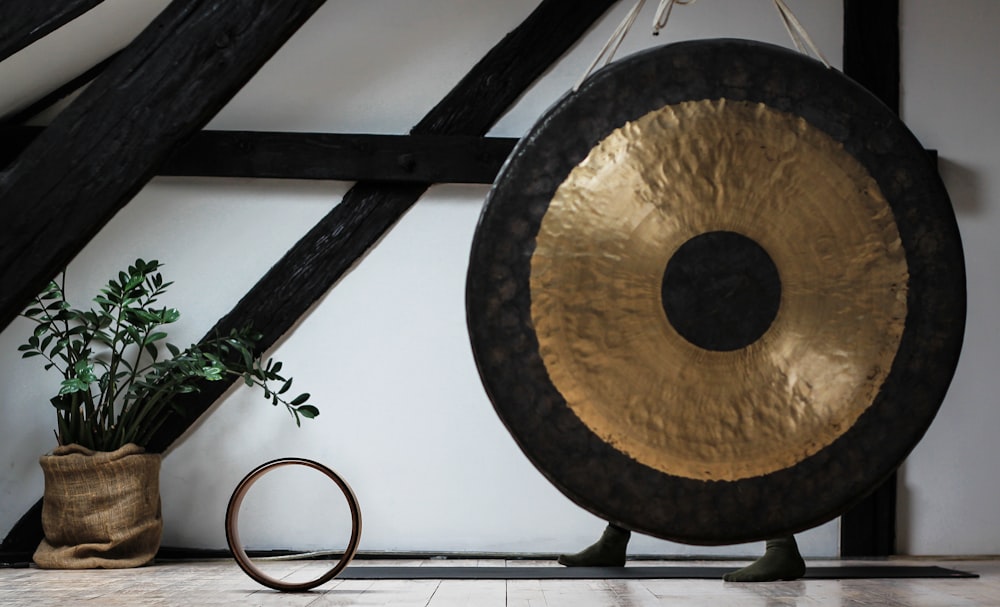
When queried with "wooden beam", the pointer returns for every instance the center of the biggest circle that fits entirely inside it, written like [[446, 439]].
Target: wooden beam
[[25, 21], [105, 146], [368, 210], [871, 57], [14, 140], [871, 47], [332, 156], [24, 537], [345, 157]]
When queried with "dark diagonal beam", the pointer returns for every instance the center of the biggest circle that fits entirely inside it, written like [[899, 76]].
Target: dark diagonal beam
[[368, 210], [101, 150], [25, 21]]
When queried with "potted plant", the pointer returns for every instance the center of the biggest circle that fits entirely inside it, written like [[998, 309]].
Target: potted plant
[[101, 506]]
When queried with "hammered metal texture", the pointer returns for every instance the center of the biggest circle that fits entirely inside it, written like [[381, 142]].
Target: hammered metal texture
[[613, 225]]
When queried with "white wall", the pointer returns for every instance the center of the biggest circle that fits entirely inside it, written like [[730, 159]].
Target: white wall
[[948, 490], [385, 353]]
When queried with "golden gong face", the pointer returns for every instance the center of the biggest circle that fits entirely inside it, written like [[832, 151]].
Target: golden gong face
[[718, 290]]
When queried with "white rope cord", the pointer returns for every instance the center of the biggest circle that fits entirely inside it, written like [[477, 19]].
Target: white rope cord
[[797, 32], [663, 13], [613, 43], [800, 37]]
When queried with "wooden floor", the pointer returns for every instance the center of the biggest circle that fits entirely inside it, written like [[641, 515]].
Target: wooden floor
[[221, 582]]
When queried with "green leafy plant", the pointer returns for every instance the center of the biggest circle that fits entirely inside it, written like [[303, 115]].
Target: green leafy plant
[[118, 386]]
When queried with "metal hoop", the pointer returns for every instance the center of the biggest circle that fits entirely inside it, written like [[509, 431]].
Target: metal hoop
[[233, 534]]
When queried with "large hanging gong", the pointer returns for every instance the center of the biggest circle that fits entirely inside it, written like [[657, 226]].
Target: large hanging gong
[[717, 294]]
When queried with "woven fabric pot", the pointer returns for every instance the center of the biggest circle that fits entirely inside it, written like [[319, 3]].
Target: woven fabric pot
[[100, 509]]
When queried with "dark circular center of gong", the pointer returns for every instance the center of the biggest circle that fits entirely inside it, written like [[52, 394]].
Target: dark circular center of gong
[[721, 291]]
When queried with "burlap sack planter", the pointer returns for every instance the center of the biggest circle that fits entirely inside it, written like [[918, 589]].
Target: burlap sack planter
[[100, 509]]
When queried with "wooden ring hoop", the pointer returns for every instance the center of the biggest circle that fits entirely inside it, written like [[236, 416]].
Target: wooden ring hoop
[[240, 554]]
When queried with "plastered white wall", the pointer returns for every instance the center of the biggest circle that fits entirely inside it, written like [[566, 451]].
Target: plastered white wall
[[948, 490], [385, 353]]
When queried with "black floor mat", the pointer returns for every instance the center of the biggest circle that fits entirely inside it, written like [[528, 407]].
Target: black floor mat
[[634, 572]]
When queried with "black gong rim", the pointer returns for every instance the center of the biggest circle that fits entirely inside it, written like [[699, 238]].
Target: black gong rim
[[603, 480]]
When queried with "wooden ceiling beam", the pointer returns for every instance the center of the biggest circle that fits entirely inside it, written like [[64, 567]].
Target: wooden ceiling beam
[[337, 156], [106, 145], [871, 57], [347, 157], [871, 47], [25, 21]]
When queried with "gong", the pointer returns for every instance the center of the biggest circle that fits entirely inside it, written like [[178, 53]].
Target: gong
[[717, 294]]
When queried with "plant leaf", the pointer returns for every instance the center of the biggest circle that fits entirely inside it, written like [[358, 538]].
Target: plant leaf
[[308, 411]]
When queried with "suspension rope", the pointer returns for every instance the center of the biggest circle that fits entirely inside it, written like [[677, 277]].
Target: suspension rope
[[796, 31]]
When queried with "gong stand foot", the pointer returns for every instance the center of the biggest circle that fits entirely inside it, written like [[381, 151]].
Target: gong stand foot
[[781, 561], [608, 551]]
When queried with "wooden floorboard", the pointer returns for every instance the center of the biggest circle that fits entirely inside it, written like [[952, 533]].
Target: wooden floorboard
[[222, 583]]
